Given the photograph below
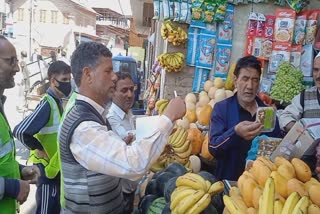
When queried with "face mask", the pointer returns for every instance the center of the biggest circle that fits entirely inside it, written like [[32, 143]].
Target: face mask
[[64, 87]]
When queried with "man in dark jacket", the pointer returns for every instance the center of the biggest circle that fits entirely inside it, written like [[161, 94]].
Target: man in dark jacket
[[233, 121]]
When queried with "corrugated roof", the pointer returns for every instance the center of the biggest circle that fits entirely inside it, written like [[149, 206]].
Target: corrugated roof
[[120, 6]]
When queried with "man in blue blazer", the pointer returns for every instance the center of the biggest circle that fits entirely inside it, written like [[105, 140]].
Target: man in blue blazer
[[233, 121]]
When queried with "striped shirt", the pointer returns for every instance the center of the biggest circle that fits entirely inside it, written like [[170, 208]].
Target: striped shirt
[[100, 150]]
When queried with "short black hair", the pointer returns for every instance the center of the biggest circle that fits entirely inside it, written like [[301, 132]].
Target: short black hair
[[58, 67], [123, 75], [247, 62], [87, 55]]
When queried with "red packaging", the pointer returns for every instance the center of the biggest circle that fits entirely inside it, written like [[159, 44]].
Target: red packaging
[[260, 25], [311, 28], [249, 46], [295, 55], [269, 27], [317, 43], [284, 25], [252, 24]]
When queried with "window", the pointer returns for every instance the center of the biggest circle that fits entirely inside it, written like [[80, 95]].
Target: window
[[147, 14], [43, 14], [65, 19], [20, 14], [54, 16]]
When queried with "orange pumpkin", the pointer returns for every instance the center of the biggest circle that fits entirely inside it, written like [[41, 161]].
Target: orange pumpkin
[[205, 148], [196, 139]]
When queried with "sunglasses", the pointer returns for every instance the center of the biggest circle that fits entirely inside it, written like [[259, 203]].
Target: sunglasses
[[12, 60]]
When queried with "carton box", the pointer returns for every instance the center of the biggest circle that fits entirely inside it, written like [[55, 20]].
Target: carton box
[[305, 135]]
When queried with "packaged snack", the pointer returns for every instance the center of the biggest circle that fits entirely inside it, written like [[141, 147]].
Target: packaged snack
[[265, 85], [221, 10], [317, 41], [185, 11], [295, 57], [300, 29], [156, 9], [306, 64], [209, 11], [257, 46], [249, 46], [177, 10], [205, 50], [311, 28], [280, 52], [252, 24], [284, 25], [168, 9], [297, 5], [266, 48], [197, 9], [198, 24], [269, 27], [267, 117], [201, 75], [192, 46], [222, 60], [225, 29], [260, 25]]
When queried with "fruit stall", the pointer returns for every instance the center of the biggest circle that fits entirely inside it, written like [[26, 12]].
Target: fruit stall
[[196, 46]]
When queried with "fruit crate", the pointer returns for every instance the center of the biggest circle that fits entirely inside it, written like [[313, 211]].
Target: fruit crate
[[267, 146]]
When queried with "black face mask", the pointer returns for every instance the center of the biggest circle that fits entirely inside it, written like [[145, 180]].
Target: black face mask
[[64, 87]]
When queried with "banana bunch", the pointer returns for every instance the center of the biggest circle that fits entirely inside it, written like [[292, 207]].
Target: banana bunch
[[180, 145], [193, 194], [161, 105], [171, 62], [175, 35]]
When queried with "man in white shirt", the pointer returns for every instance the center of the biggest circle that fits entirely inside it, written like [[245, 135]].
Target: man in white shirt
[[122, 123], [93, 157]]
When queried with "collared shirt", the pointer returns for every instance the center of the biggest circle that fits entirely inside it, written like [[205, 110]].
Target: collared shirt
[[121, 122], [101, 150]]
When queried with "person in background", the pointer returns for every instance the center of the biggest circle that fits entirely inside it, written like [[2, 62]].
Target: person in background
[[233, 121], [121, 120], [15, 179], [93, 157], [38, 132]]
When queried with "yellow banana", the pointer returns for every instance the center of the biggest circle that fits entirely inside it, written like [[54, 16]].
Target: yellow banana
[[290, 203], [160, 102], [178, 139], [156, 167], [302, 206], [189, 201], [231, 205], [175, 134], [175, 199], [239, 202], [162, 107], [180, 160], [278, 206], [208, 185], [198, 178], [216, 188], [178, 190], [234, 192], [191, 182], [181, 141], [187, 165], [266, 206], [186, 153], [201, 205], [183, 148]]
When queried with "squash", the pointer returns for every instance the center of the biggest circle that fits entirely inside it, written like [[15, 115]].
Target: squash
[[195, 163], [219, 95], [205, 115], [202, 93], [191, 116], [218, 82], [146, 202], [212, 92], [169, 188], [205, 148], [207, 85], [157, 206], [195, 137], [229, 93], [190, 106], [190, 97], [203, 100], [212, 103]]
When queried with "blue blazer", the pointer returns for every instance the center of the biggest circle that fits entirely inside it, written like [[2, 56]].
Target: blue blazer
[[228, 148]]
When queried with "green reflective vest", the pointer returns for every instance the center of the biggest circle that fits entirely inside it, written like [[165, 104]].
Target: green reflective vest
[[9, 167]]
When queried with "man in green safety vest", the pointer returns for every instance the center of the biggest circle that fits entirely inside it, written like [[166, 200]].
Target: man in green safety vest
[[38, 132], [14, 178]]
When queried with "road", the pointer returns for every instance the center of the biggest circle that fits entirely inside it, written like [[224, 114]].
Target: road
[[14, 117]]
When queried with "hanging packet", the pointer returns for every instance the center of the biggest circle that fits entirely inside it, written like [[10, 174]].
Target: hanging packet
[[260, 25], [209, 11], [252, 24], [205, 50], [306, 64], [269, 28], [185, 11], [317, 40], [192, 46], [297, 5], [156, 9], [197, 11], [280, 53], [177, 10], [222, 60], [249, 46], [266, 48], [311, 28], [295, 55], [284, 25], [201, 75], [221, 10], [225, 29], [168, 9], [300, 29]]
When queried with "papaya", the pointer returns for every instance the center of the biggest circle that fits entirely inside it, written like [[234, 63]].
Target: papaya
[[310, 183], [303, 171], [205, 148], [314, 193], [252, 210], [294, 185], [279, 160], [287, 171], [191, 116], [247, 191], [204, 115], [280, 183], [196, 139], [257, 193]]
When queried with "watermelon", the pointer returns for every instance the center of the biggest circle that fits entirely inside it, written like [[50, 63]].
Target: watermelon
[[166, 209], [156, 175], [176, 168], [208, 176], [169, 188], [210, 210], [145, 203], [162, 179], [151, 188], [157, 206]]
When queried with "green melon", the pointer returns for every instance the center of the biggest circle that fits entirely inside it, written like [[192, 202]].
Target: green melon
[[146, 202], [169, 188], [162, 179], [157, 206]]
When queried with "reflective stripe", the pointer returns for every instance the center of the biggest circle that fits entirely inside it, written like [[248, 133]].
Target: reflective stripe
[[49, 129], [6, 148]]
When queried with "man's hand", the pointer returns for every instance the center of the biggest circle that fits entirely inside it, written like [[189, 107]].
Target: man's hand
[[176, 109], [24, 191], [130, 138], [248, 130], [30, 173]]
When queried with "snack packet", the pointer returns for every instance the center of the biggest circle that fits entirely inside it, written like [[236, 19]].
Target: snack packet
[[300, 29], [252, 24], [267, 117], [177, 10], [311, 28], [209, 11], [221, 10], [185, 11], [200, 77], [197, 9], [295, 56], [260, 25], [268, 30], [284, 25], [280, 52]]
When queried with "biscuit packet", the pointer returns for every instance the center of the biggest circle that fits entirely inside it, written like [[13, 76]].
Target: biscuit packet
[[267, 117], [311, 28], [300, 29], [284, 25]]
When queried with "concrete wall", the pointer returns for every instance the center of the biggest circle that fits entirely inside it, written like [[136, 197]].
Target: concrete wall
[[182, 82]]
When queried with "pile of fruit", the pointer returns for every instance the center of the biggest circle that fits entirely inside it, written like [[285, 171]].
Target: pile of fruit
[[175, 35], [288, 83], [280, 187], [171, 62], [175, 190]]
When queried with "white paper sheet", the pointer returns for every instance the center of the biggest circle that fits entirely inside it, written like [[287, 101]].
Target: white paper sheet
[[145, 126]]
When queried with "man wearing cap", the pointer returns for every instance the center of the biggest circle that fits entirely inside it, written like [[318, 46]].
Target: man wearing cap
[[304, 105]]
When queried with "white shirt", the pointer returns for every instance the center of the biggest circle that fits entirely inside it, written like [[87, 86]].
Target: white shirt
[[98, 149]]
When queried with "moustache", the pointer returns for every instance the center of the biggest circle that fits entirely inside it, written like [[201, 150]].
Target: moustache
[[318, 79]]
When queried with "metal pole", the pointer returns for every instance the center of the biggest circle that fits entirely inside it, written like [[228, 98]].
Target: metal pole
[[30, 27]]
